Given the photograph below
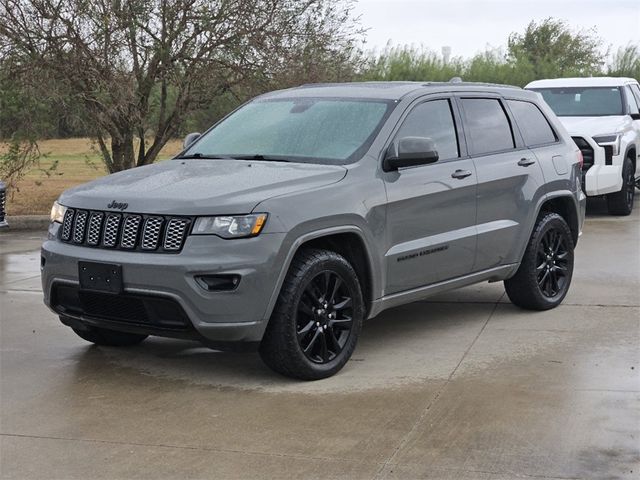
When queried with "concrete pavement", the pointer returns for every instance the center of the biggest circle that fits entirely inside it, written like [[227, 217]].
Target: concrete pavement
[[463, 386]]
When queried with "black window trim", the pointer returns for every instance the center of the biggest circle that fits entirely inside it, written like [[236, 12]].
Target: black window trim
[[553, 130], [518, 141], [457, 123]]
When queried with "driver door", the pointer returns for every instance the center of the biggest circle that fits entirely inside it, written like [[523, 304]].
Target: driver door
[[431, 211]]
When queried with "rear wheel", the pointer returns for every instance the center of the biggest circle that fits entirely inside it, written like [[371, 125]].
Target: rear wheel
[[111, 338], [621, 203], [543, 278], [315, 325]]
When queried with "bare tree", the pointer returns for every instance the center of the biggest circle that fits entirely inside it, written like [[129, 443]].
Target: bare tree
[[140, 66]]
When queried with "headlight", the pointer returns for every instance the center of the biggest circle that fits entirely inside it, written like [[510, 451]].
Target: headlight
[[612, 140], [57, 212], [237, 226]]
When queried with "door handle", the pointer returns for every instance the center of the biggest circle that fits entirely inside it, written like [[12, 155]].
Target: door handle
[[525, 162], [460, 174]]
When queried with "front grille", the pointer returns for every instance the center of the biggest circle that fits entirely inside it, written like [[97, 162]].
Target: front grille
[[95, 228], [3, 200], [175, 233], [142, 310], [588, 155], [124, 231]]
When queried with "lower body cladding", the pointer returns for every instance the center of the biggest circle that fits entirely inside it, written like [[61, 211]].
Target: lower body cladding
[[215, 291]]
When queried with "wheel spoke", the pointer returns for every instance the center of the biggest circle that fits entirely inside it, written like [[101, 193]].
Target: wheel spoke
[[542, 281], [340, 322], [334, 340], [554, 283], [314, 339], [324, 351], [305, 330], [336, 286], [345, 303]]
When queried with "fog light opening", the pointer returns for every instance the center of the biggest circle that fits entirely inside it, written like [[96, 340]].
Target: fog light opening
[[218, 283]]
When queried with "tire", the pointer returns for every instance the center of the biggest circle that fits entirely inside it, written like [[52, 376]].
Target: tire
[[109, 338], [309, 335], [548, 256], [621, 203]]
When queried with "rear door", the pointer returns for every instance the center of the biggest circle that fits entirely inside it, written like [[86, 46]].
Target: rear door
[[509, 179], [431, 209]]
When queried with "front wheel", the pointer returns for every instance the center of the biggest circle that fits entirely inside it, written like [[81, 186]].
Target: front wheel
[[543, 278], [621, 203], [315, 325]]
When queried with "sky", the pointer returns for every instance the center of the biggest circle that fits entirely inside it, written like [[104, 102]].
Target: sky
[[470, 27]]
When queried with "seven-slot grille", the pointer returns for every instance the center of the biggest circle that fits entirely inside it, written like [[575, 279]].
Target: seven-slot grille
[[124, 231], [3, 198]]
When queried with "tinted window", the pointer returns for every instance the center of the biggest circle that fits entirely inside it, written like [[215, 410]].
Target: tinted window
[[633, 105], [583, 101], [314, 130], [636, 92], [533, 125], [487, 125], [434, 120]]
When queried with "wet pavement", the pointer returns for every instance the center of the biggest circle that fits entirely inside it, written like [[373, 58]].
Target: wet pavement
[[463, 386]]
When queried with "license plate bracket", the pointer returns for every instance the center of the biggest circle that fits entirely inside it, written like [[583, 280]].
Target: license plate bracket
[[100, 277]]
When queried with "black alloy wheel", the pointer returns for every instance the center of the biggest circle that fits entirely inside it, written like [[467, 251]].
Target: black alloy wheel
[[324, 317]]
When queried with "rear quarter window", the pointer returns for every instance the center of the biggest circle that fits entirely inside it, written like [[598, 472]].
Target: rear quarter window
[[533, 125]]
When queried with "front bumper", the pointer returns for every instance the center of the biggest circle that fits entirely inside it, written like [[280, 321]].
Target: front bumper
[[603, 179], [221, 316]]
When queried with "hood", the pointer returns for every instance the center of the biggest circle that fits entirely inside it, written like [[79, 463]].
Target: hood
[[590, 126], [199, 187]]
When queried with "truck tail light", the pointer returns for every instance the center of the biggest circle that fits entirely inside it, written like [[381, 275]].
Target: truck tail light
[[580, 158]]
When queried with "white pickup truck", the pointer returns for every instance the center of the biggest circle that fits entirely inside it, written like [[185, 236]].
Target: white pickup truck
[[602, 114]]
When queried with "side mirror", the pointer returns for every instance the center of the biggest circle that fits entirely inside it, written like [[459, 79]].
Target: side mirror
[[189, 139], [635, 116], [412, 151]]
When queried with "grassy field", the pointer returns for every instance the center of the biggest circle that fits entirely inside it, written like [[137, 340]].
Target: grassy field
[[79, 162]]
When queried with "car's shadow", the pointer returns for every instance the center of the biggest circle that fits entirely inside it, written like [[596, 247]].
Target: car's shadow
[[412, 331]]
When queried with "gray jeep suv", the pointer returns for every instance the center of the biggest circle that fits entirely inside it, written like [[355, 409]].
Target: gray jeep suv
[[306, 211]]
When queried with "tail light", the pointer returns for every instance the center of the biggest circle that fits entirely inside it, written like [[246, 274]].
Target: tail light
[[580, 158]]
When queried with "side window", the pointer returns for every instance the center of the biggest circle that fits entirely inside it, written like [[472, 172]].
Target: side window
[[636, 92], [433, 119], [487, 125], [533, 124], [631, 100]]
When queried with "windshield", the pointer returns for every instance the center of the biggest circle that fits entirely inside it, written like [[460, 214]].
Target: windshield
[[583, 102], [314, 130]]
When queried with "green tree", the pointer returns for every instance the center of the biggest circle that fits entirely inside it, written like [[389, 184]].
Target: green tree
[[139, 68], [552, 49], [626, 62]]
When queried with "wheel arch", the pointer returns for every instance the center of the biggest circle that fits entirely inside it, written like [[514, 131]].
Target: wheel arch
[[565, 206], [348, 241], [631, 153]]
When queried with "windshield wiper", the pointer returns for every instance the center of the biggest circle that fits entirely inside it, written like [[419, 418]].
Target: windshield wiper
[[202, 156], [266, 158]]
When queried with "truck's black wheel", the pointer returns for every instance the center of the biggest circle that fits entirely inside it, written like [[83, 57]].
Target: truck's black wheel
[[111, 338], [621, 203], [317, 319], [543, 278]]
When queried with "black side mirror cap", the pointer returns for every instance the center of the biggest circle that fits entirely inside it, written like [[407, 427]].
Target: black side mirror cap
[[635, 116], [412, 152]]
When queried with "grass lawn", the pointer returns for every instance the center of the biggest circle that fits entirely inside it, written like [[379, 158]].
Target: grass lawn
[[79, 162]]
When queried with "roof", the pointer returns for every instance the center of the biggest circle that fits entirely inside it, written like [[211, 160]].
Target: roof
[[380, 90], [581, 82]]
